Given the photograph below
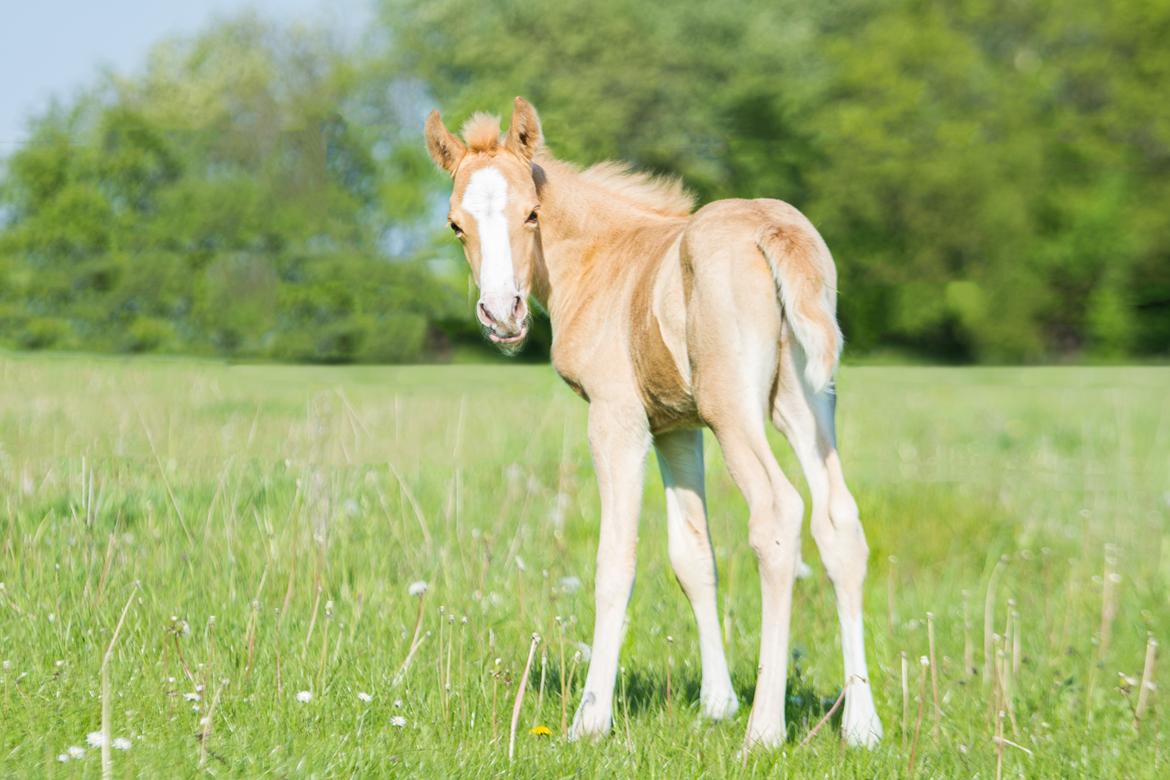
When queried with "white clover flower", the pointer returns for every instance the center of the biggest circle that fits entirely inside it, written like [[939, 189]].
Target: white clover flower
[[95, 739], [121, 743], [192, 696], [63, 757], [76, 752], [418, 588], [398, 721], [365, 697], [304, 697]]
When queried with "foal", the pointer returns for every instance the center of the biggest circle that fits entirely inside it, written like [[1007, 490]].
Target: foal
[[666, 321]]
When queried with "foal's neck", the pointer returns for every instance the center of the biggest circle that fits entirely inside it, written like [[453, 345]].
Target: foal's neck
[[581, 228]]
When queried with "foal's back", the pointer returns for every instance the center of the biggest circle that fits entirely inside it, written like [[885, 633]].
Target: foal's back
[[706, 320]]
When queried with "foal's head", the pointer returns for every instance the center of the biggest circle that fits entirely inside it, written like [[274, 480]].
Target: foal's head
[[495, 213]]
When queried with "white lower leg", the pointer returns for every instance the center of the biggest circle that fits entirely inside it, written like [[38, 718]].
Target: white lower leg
[[680, 458], [595, 714], [717, 696], [776, 547], [859, 723]]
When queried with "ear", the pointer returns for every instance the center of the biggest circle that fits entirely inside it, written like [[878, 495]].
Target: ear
[[446, 150], [524, 136]]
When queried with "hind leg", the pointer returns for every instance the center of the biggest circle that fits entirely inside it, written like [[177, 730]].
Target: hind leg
[[680, 458], [807, 420], [775, 514], [733, 334]]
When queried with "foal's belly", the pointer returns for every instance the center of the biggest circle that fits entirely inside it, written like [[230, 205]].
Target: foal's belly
[[658, 348]]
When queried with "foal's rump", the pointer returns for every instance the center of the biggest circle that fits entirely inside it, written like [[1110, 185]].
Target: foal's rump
[[804, 278]]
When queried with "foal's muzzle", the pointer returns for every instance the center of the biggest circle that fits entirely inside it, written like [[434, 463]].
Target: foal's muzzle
[[505, 317]]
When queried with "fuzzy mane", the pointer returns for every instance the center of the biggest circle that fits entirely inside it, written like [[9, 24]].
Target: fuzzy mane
[[481, 132], [662, 194]]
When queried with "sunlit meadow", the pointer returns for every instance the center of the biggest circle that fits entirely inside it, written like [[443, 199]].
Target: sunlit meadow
[[297, 571]]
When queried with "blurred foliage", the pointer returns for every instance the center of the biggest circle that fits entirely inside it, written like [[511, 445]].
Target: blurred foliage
[[991, 175], [220, 202]]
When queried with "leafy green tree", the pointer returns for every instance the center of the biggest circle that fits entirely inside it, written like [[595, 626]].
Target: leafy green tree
[[221, 201]]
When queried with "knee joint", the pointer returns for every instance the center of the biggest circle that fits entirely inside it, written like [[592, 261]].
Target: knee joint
[[774, 530], [689, 549]]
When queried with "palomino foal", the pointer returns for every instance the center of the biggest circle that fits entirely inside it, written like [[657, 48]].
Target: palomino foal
[[666, 321]]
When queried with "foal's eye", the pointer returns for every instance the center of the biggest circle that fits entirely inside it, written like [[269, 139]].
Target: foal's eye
[[456, 229], [532, 218]]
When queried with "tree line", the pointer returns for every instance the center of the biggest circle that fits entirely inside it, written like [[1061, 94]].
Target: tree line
[[991, 175]]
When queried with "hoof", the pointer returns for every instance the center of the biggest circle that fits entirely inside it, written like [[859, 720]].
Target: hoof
[[860, 726], [719, 705], [768, 736], [591, 721], [862, 733]]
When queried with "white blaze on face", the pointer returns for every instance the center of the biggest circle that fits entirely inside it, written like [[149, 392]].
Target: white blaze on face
[[485, 199]]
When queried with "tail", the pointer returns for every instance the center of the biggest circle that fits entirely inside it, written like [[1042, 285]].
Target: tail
[[806, 284]]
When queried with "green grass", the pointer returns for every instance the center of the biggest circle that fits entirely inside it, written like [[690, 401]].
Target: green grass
[[260, 506]]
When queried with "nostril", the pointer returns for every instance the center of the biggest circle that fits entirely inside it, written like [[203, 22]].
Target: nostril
[[518, 308], [484, 315]]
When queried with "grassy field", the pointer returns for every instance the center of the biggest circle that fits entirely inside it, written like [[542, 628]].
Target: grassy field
[[262, 526]]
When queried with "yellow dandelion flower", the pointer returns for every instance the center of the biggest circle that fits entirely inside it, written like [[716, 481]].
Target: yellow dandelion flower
[[540, 731]]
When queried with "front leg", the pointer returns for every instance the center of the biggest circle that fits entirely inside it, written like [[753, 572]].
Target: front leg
[[619, 437]]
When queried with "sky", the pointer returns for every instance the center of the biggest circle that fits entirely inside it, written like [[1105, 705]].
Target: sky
[[55, 47]]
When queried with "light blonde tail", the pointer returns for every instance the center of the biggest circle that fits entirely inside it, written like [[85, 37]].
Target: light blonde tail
[[805, 282]]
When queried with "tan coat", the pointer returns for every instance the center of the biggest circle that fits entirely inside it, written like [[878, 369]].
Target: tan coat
[[668, 320]]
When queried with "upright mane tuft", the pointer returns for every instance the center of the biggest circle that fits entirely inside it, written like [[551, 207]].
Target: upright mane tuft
[[481, 132], [662, 194]]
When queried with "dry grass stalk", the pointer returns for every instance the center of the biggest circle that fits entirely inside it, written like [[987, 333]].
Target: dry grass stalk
[[520, 696], [166, 482], [564, 680], [968, 644], [415, 641], [1108, 600], [253, 618], [1017, 652], [1147, 684], [905, 698], [891, 615], [415, 506], [107, 694], [933, 673], [669, 666], [207, 722], [997, 708], [439, 662], [825, 719], [924, 662], [989, 618], [312, 623], [543, 672], [626, 711], [450, 644]]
